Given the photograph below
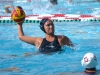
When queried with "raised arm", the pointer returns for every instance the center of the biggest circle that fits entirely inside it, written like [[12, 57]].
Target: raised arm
[[30, 40]]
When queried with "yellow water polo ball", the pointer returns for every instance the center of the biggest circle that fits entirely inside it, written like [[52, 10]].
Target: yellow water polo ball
[[18, 15]]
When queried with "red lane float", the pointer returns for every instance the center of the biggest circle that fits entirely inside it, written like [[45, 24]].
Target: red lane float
[[82, 17]]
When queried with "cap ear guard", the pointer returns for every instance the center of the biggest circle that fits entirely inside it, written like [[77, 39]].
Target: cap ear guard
[[42, 24], [42, 28]]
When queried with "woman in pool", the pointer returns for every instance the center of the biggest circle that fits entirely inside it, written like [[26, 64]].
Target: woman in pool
[[51, 42]]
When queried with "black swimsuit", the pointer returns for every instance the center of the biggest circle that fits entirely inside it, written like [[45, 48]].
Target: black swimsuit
[[49, 47]]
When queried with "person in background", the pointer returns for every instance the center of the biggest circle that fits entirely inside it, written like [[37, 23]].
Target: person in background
[[90, 62], [54, 2], [8, 8], [50, 43], [51, 4]]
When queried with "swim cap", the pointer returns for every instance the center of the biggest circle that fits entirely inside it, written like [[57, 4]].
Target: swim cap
[[42, 24], [89, 60]]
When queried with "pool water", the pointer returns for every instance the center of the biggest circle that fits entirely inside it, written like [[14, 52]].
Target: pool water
[[63, 6], [85, 36]]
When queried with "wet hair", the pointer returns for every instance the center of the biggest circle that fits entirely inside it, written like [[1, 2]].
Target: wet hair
[[19, 7], [42, 24]]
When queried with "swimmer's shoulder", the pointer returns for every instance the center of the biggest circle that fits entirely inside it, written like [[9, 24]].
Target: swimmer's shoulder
[[38, 41], [61, 36], [60, 39]]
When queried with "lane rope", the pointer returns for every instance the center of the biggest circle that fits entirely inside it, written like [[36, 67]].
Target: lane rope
[[55, 17]]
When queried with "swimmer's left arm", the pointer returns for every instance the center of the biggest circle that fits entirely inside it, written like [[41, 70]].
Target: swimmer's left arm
[[67, 41]]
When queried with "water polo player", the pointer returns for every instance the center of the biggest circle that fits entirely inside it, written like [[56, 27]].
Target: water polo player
[[51, 42]]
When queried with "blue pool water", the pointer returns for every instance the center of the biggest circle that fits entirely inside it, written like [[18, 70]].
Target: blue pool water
[[85, 36], [44, 7]]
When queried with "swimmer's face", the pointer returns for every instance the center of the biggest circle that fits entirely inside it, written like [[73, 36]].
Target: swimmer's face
[[49, 27]]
